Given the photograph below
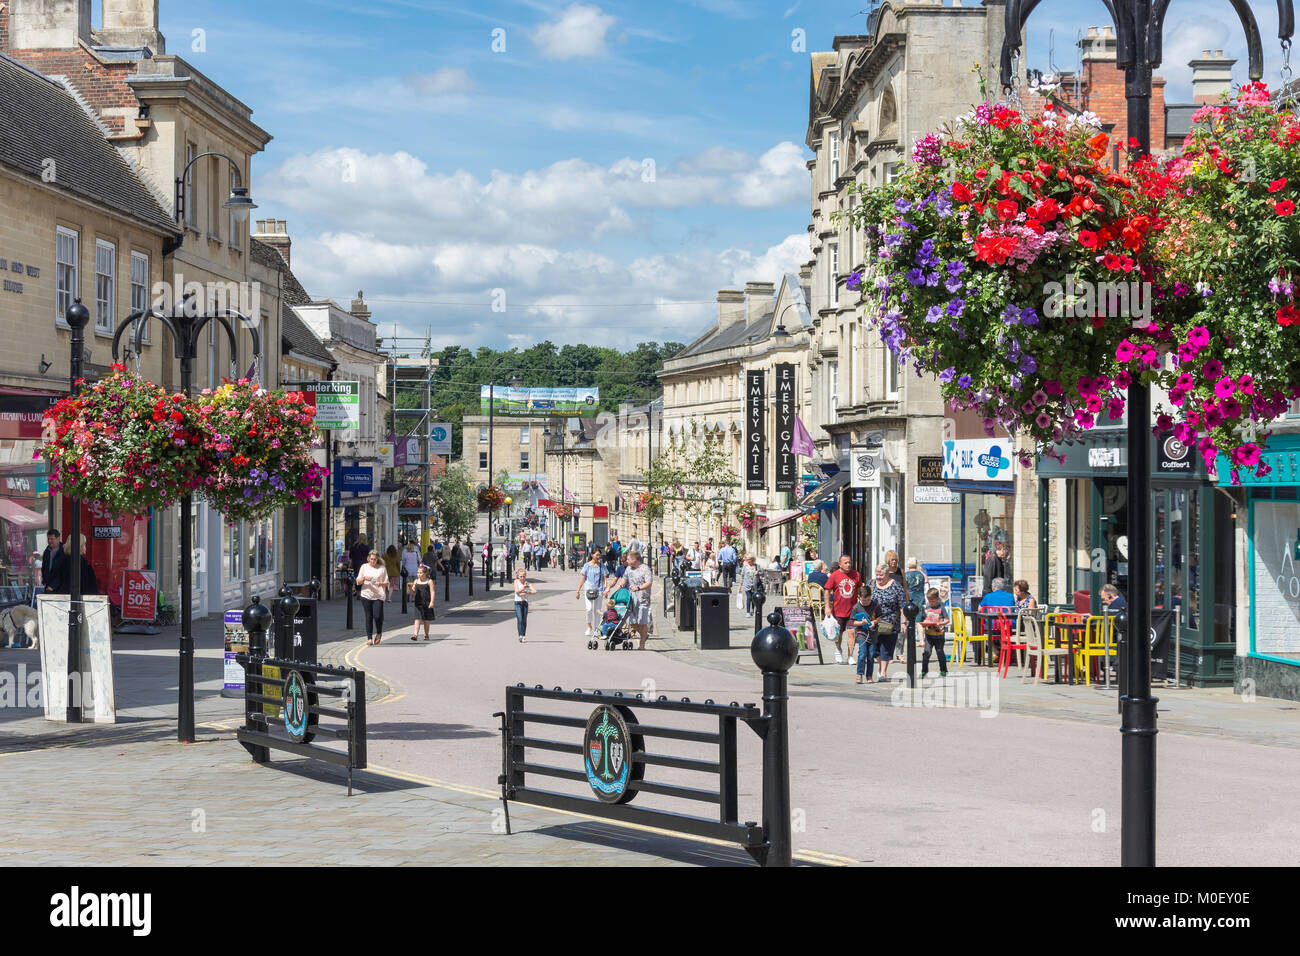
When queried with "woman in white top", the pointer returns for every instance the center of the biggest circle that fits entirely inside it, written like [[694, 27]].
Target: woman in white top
[[522, 589], [411, 561], [374, 584], [710, 574]]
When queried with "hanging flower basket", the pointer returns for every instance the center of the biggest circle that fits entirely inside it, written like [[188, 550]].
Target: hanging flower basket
[[261, 443], [992, 249], [650, 504], [490, 498], [1232, 253], [126, 443], [727, 532], [747, 515], [563, 512]]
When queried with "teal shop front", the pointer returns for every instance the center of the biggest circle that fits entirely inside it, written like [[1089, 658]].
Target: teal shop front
[[1268, 663], [1083, 543]]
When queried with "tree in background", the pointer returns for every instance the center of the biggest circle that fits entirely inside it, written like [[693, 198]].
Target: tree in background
[[453, 510], [696, 472]]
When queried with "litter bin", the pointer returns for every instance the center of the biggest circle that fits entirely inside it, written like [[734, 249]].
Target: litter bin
[[714, 633], [305, 633], [686, 608]]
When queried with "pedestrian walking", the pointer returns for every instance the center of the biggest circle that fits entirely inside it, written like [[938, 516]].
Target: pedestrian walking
[[358, 553], [863, 622], [894, 571], [411, 561], [841, 597], [935, 627], [422, 593], [727, 565], [374, 584], [393, 565], [591, 586], [639, 581], [749, 581], [522, 590], [891, 598], [914, 582]]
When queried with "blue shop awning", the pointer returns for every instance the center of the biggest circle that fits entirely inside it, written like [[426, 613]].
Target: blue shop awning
[[825, 495]]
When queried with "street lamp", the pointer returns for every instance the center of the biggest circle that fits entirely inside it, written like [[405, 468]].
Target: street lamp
[[186, 329], [77, 317], [505, 560], [1139, 26], [514, 382], [238, 203], [559, 433]]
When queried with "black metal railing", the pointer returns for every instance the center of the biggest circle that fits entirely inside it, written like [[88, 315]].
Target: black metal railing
[[616, 762], [290, 693]]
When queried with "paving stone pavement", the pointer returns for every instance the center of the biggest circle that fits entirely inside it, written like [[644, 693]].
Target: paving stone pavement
[[158, 802]]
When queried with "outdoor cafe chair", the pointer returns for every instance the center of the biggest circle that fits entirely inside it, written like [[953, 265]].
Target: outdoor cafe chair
[[1036, 647], [962, 638], [1097, 643]]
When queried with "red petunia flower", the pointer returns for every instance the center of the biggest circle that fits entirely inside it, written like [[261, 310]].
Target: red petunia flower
[[961, 192], [1285, 207], [994, 249], [1007, 209], [1288, 315], [1087, 238], [1276, 184]]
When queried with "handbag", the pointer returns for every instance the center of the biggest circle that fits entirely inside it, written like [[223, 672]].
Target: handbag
[[885, 627], [592, 594]]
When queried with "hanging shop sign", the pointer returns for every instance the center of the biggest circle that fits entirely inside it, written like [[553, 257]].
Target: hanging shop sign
[[785, 458], [338, 404], [865, 465], [440, 438], [755, 437], [978, 459]]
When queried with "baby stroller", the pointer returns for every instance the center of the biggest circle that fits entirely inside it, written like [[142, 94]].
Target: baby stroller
[[614, 634]]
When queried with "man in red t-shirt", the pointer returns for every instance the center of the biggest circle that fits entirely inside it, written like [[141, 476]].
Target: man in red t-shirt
[[841, 596]]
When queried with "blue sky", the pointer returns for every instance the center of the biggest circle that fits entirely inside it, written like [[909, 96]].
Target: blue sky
[[609, 170]]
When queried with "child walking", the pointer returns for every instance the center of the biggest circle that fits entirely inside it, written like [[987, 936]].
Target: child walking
[[934, 625]]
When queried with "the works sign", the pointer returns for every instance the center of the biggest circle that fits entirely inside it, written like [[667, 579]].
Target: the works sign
[[785, 462], [755, 439]]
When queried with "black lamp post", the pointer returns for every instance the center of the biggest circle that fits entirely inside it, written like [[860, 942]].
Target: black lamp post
[[1139, 29], [77, 317], [239, 202], [559, 433], [514, 382], [186, 330]]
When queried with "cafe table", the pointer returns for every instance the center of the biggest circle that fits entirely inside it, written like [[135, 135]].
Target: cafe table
[[988, 626]]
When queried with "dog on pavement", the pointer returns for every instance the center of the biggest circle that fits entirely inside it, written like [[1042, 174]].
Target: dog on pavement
[[20, 619]]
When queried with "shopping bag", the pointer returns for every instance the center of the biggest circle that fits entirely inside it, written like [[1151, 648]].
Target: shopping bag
[[740, 600], [831, 628]]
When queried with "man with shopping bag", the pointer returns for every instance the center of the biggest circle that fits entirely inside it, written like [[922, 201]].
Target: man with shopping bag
[[841, 596]]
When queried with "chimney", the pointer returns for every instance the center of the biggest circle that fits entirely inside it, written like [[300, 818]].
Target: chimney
[[759, 300], [48, 24], [731, 307], [132, 23], [359, 307], [1098, 45], [275, 233], [1211, 75]]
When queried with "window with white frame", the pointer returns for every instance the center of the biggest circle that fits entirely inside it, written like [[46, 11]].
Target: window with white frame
[[482, 461], [140, 287], [835, 158], [105, 284], [483, 435], [65, 273], [833, 273], [261, 546], [833, 386], [523, 461], [852, 258], [891, 171], [525, 435], [893, 376]]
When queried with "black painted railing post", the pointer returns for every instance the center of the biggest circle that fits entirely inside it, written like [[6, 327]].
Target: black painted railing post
[[256, 619], [405, 574], [348, 582], [286, 611], [910, 611], [469, 566], [775, 651], [760, 598]]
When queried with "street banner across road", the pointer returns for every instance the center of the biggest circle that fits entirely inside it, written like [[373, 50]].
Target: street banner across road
[[505, 400]]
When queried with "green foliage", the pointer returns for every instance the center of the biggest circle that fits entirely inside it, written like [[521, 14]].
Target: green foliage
[[453, 509], [621, 377]]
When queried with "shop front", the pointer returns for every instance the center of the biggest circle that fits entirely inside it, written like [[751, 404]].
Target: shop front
[[24, 491], [1267, 660], [979, 471], [355, 505], [1083, 543]]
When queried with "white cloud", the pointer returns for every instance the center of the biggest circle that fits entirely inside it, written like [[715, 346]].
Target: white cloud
[[581, 31], [395, 195], [579, 295], [448, 80]]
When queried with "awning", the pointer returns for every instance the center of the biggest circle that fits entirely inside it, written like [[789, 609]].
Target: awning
[[24, 518], [780, 518], [826, 494], [981, 487]]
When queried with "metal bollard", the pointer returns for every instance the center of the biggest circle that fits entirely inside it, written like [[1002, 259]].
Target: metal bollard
[[760, 598], [487, 570], [256, 619], [469, 566], [314, 588], [285, 611], [911, 611], [405, 574], [446, 582], [775, 651]]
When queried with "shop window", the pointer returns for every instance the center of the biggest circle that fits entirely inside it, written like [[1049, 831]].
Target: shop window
[[1275, 602], [140, 288]]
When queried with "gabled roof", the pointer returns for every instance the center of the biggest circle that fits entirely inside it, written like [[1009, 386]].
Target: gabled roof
[[42, 123], [291, 289], [295, 333]]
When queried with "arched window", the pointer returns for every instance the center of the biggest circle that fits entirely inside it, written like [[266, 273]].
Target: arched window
[[888, 115]]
